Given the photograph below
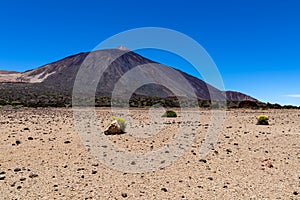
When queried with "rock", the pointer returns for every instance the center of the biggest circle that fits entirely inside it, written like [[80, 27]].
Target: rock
[[32, 175], [124, 195], [228, 151], [94, 172], [22, 179], [113, 128], [269, 164], [2, 177], [17, 170], [263, 122], [295, 193], [202, 160], [210, 178], [164, 189], [30, 138]]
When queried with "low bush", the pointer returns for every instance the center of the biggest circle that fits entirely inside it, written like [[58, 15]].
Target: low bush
[[169, 113], [262, 120]]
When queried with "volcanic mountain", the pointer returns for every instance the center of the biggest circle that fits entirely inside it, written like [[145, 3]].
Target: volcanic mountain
[[106, 69]]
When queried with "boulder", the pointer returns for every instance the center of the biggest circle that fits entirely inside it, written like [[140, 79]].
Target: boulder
[[113, 129]]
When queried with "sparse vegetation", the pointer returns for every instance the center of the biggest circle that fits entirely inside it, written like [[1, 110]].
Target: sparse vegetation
[[42, 95], [262, 120], [169, 113], [121, 122]]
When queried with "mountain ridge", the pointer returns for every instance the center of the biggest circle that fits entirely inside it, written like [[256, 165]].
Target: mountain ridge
[[59, 77]]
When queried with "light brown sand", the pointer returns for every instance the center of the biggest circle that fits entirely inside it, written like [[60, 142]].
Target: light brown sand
[[54, 164]]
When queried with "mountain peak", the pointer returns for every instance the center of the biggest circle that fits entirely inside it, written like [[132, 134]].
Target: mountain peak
[[123, 48]]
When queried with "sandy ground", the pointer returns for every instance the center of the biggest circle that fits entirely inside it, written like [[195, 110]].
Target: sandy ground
[[44, 157]]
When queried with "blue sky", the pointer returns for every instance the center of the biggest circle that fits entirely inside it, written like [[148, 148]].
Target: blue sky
[[254, 43]]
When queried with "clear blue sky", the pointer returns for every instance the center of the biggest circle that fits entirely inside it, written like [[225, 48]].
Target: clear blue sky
[[255, 43]]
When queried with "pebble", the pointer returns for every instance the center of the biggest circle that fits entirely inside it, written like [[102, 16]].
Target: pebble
[[22, 179], [94, 172], [228, 151], [210, 178], [269, 164], [124, 195], [32, 175], [17, 170], [202, 160], [30, 138], [295, 193], [2, 177], [164, 189]]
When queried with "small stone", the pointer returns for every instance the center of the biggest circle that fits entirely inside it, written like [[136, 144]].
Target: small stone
[[67, 142], [124, 195], [22, 179], [2, 177], [295, 193], [26, 129], [269, 164], [202, 160], [210, 178], [19, 187], [17, 170], [30, 138], [18, 142], [164, 189], [94, 172], [133, 163], [2, 173], [95, 165], [32, 175], [228, 151]]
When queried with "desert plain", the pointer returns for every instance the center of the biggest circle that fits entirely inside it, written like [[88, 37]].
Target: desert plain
[[44, 157]]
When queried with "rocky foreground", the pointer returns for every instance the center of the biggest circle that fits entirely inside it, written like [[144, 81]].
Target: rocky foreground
[[43, 157]]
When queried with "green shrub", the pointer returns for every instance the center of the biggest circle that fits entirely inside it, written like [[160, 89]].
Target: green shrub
[[169, 113], [262, 120], [121, 122], [16, 103]]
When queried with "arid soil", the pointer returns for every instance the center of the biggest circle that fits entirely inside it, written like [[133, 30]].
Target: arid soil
[[44, 157]]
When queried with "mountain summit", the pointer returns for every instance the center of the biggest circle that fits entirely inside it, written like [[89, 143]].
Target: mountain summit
[[123, 48]]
